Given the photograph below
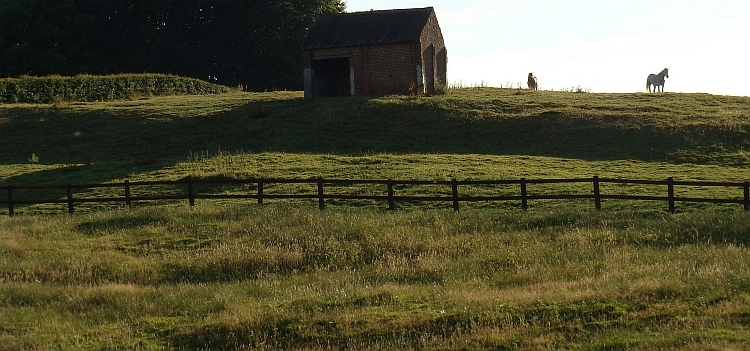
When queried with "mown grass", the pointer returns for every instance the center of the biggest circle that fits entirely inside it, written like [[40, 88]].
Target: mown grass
[[235, 275]]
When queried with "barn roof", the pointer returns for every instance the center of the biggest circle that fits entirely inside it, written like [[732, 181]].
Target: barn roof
[[367, 28]]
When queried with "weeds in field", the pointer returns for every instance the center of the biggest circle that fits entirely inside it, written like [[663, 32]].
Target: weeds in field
[[233, 274], [286, 277], [461, 85], [577, 90]]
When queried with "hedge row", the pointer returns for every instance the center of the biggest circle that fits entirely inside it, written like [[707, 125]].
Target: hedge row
[[88, 88]]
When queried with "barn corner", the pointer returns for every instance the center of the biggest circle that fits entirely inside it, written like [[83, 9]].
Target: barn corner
[[374, 53]]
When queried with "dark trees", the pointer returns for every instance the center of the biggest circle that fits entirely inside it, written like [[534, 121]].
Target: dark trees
[[254, 43]]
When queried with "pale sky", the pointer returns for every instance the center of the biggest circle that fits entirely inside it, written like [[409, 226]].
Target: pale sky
[[599, 45]]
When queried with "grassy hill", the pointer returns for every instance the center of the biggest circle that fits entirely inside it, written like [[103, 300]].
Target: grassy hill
[[468, 134], [229, 275], [674, 128]]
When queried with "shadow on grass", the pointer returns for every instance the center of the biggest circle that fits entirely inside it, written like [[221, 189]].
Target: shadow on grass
[[114, 140], [73, 175], [97, 226]]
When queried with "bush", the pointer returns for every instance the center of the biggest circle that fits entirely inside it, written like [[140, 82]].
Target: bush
[[87, 88], [441, 89]]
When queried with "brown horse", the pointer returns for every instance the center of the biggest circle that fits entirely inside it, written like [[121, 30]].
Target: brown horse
[[532, 82]]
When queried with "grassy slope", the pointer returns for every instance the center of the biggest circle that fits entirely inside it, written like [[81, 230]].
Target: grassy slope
[[224, 276], [469, 134], [677, 128]]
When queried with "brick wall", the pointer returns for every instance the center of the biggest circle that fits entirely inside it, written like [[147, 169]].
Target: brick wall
[[434, 53], [378, 69], [392, 68]]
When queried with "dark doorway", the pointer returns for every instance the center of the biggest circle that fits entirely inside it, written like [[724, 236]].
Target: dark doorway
[[429, 70], [331, 77]]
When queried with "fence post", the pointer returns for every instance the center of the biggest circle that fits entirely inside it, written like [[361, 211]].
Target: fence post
[[260, 192], [69, 190], [597, 194], [321, 199], [10, 200], [670, 193], [747, 196], [128, 202], [524, 200], [454, 188], [391, 200], [191, 192]]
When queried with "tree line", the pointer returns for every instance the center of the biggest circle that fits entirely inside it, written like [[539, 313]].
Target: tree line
[[253, 43]]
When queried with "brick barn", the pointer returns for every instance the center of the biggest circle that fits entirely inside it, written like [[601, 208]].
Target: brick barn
[[374, 53]]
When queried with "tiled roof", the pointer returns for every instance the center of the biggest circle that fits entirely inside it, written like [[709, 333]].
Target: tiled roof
[[367, 28]]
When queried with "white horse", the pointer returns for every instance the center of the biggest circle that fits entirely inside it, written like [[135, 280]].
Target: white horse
[[532, 82], [657, 80]]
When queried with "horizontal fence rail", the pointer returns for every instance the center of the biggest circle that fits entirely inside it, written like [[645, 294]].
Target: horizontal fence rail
[[388, 195]]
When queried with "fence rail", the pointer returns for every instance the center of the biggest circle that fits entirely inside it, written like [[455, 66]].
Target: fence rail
[[389, 195]]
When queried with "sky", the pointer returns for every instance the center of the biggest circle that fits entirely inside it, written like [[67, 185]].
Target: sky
[[595, 45]]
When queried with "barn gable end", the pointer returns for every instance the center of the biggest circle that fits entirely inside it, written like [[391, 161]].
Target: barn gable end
[[374, 53]]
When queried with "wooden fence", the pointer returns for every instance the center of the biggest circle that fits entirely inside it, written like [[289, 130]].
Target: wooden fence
[[388, 195]]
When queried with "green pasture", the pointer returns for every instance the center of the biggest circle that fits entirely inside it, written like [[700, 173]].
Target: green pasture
[[229, 274], [293, 277], [468, 134]]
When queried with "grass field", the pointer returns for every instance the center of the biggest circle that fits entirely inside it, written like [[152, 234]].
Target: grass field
[[229, 275], [468, 134]]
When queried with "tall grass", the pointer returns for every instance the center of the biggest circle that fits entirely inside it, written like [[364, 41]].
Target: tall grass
[[232, 275], [279, 277]]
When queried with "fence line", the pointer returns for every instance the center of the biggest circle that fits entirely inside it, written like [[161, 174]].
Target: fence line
[[523, 196]]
